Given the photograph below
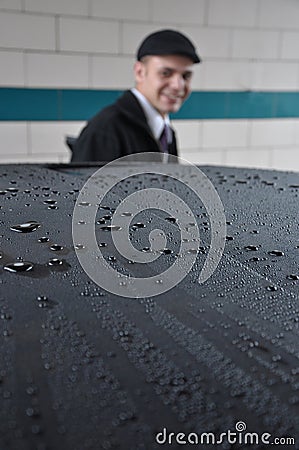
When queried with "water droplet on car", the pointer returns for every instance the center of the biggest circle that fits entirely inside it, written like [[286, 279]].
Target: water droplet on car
[[26, 227], [166, 251], [272, 288], [21, 266], [56, 247], [50, 202], [43, 301], [293, 277], [79, 246], [43, 239], [84, 204], [137, 225], [276, 253], [55, 262], [110, 228], [171, 219], [252, 248]]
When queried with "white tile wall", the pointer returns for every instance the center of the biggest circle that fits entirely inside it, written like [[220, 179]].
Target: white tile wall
[[99, 36], [178, 11], [189, 133], [225, 133], [240, 13], [296, 126], [248, 158], [11, 68], [290, 45], [211, 42], [286, 159], [123, 10], [33, 159], [200, 157], [256, 44], [11, 4], [275, 132], [13, 138], [271, 76], [27, 31], [283, 14], [244, 44], [227, 75], [56, 70], [105, 71], [49, 137], [197, 82], [70, 7]]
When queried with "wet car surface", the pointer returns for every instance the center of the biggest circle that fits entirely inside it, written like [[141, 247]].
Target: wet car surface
[[82, 368]]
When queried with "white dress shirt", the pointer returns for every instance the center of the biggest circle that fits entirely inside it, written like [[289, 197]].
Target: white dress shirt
[[154, 119]]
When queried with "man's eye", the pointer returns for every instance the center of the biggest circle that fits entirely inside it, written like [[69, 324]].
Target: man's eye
[[187, 76], [166, 73]]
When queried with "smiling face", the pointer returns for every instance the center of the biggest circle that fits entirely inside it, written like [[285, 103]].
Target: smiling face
[[165, 81]]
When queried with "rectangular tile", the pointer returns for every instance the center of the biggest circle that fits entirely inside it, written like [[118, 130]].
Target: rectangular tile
[[290, 45], [273, 132], [49, 137], [178, 12], [210, 42], [13, 138], [280, 76], [71, 7], [285, 159], [15, 5], [281, 14], [114, 9], [251, 104], [29, 104], [203, 157], [106, 70], [223, 75], [188, 133], [99, 36], [248, 158], [83, 104], [57, 70], [27, 31], [225, 133], [11, 68], [257, 44], [232, 12]]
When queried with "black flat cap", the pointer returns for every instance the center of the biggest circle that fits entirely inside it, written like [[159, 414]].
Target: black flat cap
[[167, 42]]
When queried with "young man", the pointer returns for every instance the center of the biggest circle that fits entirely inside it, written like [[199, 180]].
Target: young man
[[138, 121]]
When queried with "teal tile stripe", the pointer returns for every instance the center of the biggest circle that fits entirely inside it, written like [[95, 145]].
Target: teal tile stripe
[[30, 104]]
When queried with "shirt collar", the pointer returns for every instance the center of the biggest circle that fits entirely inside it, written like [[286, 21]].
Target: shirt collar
[[154, 119]]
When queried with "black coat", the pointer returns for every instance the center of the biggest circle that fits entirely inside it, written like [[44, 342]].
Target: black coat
[[118, 130]]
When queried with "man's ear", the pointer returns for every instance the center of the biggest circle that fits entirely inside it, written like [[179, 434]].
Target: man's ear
[[139, 70]]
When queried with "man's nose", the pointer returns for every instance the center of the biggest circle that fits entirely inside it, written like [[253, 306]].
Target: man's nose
[[177, 82]]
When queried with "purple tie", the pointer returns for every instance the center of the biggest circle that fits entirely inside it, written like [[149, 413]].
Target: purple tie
[[163, 140]]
